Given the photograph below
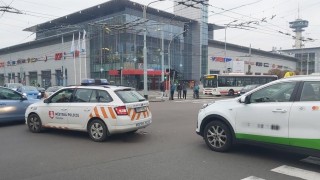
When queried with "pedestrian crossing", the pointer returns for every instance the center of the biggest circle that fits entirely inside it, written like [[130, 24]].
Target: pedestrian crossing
[[194, 101], [295, 172]]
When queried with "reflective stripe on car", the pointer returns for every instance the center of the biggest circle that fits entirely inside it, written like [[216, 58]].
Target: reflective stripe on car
[[102, 112]]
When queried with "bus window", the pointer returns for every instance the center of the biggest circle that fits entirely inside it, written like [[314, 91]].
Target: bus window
[[222, 81], [263, 80], [255, 80], [230, 81], [239, 81]]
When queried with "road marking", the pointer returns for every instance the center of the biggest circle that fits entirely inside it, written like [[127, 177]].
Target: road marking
[[252, 178], [193, 101], [297, 172], [311, 160]]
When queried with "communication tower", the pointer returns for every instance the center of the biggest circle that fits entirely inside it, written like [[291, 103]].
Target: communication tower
[[297, 27]]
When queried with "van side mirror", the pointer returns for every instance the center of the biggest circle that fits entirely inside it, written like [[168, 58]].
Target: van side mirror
[[244, 99]]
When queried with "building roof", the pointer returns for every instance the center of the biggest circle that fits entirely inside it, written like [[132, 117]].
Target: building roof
[[31, 44], [107, 8], [300, 49], [253, 51], [213, 27]]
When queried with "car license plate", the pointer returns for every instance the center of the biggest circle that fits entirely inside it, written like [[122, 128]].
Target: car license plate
[[141, 109], [143, 123]]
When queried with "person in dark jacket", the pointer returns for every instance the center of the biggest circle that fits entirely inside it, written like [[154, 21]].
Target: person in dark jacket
[[179, 89], [196, 91], [172, 89], [184, 90]]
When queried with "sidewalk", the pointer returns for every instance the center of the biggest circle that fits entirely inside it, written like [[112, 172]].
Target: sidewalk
[[155, 96]]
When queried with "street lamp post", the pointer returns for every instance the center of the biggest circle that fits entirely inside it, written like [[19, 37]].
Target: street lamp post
[[145, 75], [162, 55]]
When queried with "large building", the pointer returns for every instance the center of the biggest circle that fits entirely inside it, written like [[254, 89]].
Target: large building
[[308, 59], [99, 41], [254, 61]]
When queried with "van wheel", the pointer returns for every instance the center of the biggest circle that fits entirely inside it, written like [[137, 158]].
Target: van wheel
[[218, 136], [231, 93], [34, 123], [97, 131]]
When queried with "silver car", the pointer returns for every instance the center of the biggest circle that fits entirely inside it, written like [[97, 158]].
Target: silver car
[[13, 86], [13, 105]]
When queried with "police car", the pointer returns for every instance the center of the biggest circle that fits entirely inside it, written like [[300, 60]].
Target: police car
[[283, 114], [99, 110]]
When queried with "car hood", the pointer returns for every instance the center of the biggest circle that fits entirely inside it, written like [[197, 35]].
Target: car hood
[[33, 100], [30, 91], [227, 102]]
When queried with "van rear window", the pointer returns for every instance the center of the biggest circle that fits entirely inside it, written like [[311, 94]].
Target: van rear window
[[129, 96]]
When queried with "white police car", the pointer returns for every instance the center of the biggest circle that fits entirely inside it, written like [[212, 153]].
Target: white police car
[[283, 113], [99, 110]]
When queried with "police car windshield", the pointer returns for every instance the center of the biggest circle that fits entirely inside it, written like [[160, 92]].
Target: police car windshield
[[129, 96]]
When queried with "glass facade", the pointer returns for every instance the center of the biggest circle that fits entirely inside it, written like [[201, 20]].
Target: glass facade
[[204, 41], [116, 43], [306, 63]]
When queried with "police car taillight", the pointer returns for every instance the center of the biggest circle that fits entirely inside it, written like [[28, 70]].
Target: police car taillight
[[121, 110]]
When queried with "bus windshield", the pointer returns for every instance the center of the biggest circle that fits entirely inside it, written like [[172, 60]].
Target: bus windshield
[[210, 81]]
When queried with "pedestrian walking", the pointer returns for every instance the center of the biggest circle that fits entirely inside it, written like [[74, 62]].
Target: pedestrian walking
[[196, 91], [172, 89], [179, 89], [184, 89]]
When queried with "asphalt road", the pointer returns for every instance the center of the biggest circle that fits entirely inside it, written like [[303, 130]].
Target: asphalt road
[[168, 149]]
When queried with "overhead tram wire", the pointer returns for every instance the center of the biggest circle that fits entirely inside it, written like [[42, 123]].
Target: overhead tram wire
[[230, 10], [8, 5], [288, 34], [271, 29]]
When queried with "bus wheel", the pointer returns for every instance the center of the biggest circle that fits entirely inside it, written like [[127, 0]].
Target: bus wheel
[[231, 92]]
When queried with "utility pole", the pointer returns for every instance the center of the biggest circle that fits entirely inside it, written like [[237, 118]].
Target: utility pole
[[162, 54], [145, 61], [145, 75]]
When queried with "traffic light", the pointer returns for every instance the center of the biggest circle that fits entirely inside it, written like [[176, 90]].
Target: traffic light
[[185, 29], [165, 78], [119, 71]]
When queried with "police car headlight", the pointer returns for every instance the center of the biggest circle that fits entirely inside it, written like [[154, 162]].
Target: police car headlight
[[25, 94], [206, 105]]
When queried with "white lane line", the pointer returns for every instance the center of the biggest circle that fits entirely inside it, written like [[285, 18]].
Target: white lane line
[[311, 160], [252, 178], [297, 172]]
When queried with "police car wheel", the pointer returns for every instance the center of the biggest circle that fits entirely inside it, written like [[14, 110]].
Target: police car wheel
[[34, 123], [97, 131], [218, 136]]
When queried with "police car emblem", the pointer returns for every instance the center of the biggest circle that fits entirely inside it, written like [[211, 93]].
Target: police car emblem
[[51, 114]]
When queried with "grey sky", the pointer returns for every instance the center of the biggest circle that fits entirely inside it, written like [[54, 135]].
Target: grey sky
[[263, 36]]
